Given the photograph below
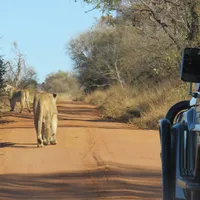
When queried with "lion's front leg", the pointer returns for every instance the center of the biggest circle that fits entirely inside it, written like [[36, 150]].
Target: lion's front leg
[[46, 134], [27, 105], [22, 106], [12, 105]]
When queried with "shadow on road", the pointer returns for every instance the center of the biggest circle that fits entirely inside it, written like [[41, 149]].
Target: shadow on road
[[17, 145], [116, 182], [6, 144], [23, 115], [5, 121]]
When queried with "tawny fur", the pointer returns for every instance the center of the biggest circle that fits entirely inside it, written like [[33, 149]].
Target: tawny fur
[[45, 118], [15, 95]]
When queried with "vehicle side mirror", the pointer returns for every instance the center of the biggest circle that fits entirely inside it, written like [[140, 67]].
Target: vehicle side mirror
[[190, 65]]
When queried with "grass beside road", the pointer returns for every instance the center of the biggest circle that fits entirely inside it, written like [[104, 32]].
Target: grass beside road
[[141, 106]]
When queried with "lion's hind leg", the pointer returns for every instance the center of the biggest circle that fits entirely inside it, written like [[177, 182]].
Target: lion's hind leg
[[38, 125], [54, 123], [22, 106], [27, 102], [45, 135], [12, 105]]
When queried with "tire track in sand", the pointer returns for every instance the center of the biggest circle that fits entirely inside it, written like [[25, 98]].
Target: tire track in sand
[[92, 151]]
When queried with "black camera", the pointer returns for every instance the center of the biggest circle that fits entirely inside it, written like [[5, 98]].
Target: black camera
[[190, 65]]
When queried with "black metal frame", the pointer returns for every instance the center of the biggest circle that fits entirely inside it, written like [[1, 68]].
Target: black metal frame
[[169, 144], [180, 153], [180, 138]]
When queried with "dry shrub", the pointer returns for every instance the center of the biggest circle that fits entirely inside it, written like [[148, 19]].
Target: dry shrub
[[72, 96], [142, 106], [64, 97], [2, 105], [159, 103], [98, 98], [115, 102]]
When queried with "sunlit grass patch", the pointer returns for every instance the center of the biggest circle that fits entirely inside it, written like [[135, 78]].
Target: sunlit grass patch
[[141, 106]]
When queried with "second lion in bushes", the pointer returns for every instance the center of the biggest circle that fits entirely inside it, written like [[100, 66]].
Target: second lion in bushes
[[17, 95], [45, 118]]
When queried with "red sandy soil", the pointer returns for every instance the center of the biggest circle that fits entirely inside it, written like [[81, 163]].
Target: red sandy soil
[[94, 159]]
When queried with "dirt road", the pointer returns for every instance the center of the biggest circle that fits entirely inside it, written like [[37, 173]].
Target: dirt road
[[93, 159]]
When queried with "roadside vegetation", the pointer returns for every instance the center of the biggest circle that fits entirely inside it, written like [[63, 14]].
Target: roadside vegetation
[[17, 73], [20, 75], [129, 62], [2, 72], [142, 107], [65, 84]]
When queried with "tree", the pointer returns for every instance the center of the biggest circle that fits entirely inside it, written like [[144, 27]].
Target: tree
[[28, 79], [61, 82], [104, 6], [18, 73], [141, 43], [122, 55], [2, 85], [178, 19], [2, 72], [97, 60]]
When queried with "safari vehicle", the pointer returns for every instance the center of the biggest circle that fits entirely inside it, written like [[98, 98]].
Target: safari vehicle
[[180, 137]]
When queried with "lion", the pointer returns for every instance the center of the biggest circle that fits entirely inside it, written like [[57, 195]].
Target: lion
[[8, 87], [15, 96], [45, 118]]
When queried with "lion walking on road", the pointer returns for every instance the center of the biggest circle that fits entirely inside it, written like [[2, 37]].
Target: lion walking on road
[[45, 118], [15, 95]]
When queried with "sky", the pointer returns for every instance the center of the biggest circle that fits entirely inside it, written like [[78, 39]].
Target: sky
[[42, 29]]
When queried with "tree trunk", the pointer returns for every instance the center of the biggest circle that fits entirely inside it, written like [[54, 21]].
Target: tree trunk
[[119, 78], [194, 26]]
